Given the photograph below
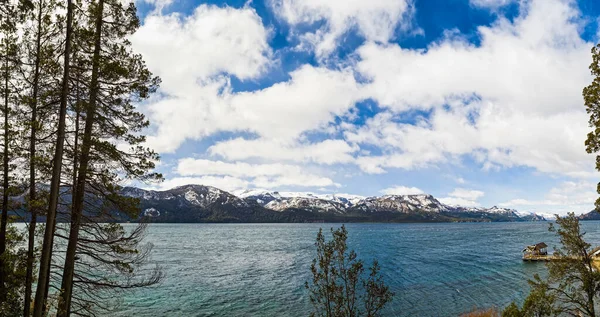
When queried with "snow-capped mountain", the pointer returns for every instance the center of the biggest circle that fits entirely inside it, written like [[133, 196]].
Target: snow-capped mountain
[[495, 209], [261, 197], [198, 195], [401, 203], [197, 203], [275, 200], [306, 203]]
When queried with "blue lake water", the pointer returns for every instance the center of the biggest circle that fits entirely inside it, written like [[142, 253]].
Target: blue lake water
[[260, 269]]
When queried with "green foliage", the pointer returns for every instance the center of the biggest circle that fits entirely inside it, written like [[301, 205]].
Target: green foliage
[[512, 310], [14, 260], [573, 282], [539, 303], [337, 287], [70, 86], [591, 97]]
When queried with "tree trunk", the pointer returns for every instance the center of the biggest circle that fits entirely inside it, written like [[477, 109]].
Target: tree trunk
[[4, 181], [32, 179], [69, 267], [76, 141], [46, 257]]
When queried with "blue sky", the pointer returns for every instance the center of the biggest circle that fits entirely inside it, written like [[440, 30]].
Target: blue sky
[[477, 102]]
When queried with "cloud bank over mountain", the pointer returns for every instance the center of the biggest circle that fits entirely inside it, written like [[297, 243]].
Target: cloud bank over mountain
[[480, 106]]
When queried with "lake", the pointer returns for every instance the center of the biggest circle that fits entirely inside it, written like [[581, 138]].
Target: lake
[[260, 269]]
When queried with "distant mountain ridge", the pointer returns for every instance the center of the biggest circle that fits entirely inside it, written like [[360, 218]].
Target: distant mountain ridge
[[198, 203], [592, 215]]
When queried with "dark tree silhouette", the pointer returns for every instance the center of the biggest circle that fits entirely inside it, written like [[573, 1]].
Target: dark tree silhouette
[[338, 287]]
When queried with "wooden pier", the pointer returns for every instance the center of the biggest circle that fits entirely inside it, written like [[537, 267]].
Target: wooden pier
[[539, 253], [538, 258]]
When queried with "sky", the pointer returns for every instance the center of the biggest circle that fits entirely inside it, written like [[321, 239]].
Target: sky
[[477, 102]]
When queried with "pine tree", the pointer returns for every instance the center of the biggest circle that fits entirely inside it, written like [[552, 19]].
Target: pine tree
[[11, 15], [118, 78], [39, 70], [14, 259], [46, 256]]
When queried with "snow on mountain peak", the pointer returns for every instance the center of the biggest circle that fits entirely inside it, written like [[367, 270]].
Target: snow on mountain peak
[[264, 197], [204, 196], [321, 205]]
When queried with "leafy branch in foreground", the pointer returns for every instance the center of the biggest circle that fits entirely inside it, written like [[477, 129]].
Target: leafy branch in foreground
[[573, 282], [337, 287]]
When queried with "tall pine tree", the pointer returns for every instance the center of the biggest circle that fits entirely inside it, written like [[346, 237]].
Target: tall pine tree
[[111, 149], [12, 15], [40, 73], [46, 256]]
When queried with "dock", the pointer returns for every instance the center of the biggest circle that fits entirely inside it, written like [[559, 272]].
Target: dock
[[539, 253], [538, 258]]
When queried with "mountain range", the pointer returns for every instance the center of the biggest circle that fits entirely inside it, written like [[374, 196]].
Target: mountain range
[[198, 203]]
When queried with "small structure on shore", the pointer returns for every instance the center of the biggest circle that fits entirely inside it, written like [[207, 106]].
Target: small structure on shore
[[595, 252], [539, 252], [536, 252]]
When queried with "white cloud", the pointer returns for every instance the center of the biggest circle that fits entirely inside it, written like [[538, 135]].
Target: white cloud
[[375, 20], [531, 65], [309, 101], [469, 194], [515, 100], [569, 196], [402, 190], [456, 201], [463, 197], [257, 175], [158, 4], [195, 57], [325, 152], [512, 100], [213, 40], [492, 4], [281, 113]]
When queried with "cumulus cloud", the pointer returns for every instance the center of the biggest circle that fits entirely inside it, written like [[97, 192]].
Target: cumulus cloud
[[258, 175], [515, 100], [492, 4], [195, 56], [325, 152], [456, 201], [402, 190], [185, 49], [469, 194], [375, 20], [309, 101], [569, 196], [158, 4], [281, 113], [512, 100], [463, 197]]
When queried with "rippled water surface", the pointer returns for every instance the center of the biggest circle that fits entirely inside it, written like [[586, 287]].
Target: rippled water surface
[[260, 269]]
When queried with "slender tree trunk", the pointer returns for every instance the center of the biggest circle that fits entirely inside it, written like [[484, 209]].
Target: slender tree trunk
[[32, 178], [76, 142], [5, 181], [46, 257], [64, 307]]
